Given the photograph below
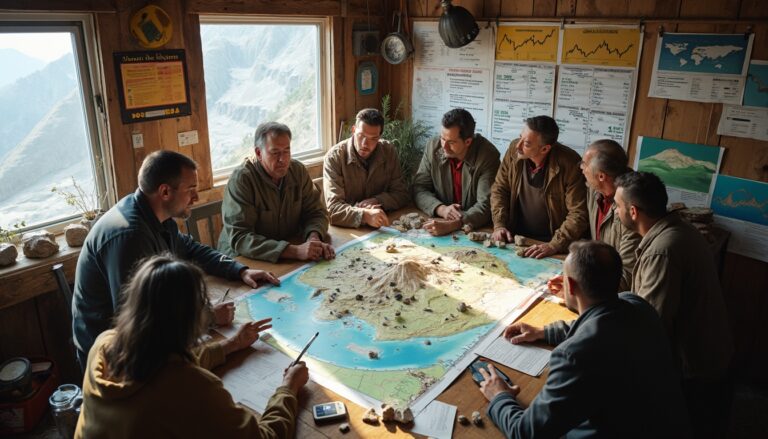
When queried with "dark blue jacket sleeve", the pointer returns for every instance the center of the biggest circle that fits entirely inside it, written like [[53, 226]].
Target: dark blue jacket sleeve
[[211, 261], [559, 407]]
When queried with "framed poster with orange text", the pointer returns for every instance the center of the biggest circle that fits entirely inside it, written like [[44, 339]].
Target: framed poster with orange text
[[152, 85]]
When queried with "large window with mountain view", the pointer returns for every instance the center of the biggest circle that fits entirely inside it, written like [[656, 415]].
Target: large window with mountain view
[[259, 70], [49, 135]]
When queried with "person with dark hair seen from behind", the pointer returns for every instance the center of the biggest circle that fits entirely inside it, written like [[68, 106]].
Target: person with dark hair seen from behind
[[361, 175], [612, 372], [271, 209], [140, 225], [143, 378], [604, 161], [676, 273], [454, 178], [539, 191]]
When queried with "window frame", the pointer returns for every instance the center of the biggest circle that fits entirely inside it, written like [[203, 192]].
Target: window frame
[[88, 62], [324, 82]]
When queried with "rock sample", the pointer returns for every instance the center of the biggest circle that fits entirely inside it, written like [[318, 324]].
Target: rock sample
[[404, 416], [387, 413], [75, 234], [8, 254], [477, 236], [521, 240], [477, 419], [40, 244], [344, 428], [463, 420], [370, 417]]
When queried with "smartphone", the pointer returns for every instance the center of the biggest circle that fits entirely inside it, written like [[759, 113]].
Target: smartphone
[[329, 412], [480, 363]]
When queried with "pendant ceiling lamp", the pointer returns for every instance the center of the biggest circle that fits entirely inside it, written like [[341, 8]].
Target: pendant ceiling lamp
[[457, 26]]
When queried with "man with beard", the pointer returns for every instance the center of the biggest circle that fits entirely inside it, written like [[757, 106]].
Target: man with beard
[[454, 179], [675, 272], [138, 226]]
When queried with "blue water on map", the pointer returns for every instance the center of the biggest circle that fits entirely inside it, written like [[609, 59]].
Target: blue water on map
[[294, 323]]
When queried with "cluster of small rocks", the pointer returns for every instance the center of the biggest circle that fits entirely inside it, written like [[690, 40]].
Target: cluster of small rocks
[[477, 419], [388, 414], [408, 221]]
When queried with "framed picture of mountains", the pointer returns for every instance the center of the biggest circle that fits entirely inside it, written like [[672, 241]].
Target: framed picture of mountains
[[152, 85], [687, 169]]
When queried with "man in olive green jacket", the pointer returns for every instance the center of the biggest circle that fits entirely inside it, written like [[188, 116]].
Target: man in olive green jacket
[[604, 160], [361, 175], [270, 198], [454, 178], [676, 273], [539, 191]]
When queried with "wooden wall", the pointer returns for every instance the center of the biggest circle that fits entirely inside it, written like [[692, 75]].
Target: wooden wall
[[745, 280]]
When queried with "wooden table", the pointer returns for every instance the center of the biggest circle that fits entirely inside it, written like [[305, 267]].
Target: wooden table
[[463, 393]]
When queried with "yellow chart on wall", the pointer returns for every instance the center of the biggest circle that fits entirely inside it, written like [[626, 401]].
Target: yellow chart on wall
[[601, 46], [527, 43]]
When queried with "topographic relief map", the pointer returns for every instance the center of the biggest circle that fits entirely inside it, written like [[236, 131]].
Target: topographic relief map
[[397, 312], [704, 53]]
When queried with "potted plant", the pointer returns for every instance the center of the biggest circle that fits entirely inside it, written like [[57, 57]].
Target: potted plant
[[87, 205], [407, 135]]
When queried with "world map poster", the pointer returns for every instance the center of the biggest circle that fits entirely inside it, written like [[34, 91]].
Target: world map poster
[[701, 67], [399, 314]]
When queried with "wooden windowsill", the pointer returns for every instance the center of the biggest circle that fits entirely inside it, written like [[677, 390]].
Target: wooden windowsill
[[28, 278]]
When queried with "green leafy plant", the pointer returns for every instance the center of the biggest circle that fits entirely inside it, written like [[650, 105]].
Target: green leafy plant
[[87, 205], [9, 235], [407, 135]]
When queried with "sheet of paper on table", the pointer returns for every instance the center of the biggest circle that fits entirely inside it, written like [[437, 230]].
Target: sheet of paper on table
[[254, 381], [527, 359], [436, 420]]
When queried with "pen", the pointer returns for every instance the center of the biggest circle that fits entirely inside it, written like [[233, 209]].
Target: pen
[[304, 350], [224, 297]]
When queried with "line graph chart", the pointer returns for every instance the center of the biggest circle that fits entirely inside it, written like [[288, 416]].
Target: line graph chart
[[527, 43], [615, 47]]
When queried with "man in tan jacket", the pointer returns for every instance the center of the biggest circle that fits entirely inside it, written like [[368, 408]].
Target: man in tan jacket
[[675, 272], [539, 191], [361, 175], [455, 176], [604, 160], [269, 200]]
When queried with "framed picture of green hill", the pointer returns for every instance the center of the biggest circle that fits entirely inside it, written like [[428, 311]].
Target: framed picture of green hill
[[687, 169]]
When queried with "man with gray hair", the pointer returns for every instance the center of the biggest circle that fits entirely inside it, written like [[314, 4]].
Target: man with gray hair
[[612, 372], [269, 198], [361, 175], [604, 161]]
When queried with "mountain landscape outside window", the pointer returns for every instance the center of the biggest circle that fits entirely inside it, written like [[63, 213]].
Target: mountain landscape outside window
[[44, 133], [259, 72]]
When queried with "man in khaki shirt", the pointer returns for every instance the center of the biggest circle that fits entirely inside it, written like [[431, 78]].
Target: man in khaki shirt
[[455, 176], [269, 200], [675, 272], [603, 161], [361, 175], [539, 191]]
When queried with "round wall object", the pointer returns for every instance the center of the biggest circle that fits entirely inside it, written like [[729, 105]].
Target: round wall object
[[151, 26]]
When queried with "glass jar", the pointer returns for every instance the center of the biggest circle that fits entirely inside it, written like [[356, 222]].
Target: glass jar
[[65, 407]]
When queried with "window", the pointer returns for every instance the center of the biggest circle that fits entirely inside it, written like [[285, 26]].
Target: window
[[49, 129], [259, 70]]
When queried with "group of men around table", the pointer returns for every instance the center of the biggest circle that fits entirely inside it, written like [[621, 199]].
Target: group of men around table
[[652, 362]]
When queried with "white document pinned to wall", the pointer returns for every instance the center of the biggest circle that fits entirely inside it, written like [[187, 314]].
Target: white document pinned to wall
[[445, 78]]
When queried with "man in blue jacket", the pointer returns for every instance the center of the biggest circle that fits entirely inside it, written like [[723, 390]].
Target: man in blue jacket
[[611, 374], [138, 226]]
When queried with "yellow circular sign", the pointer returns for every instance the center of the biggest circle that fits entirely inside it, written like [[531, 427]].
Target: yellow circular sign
[[151, 26]]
